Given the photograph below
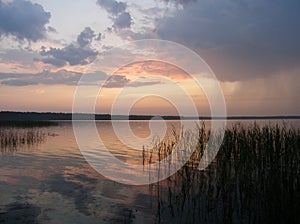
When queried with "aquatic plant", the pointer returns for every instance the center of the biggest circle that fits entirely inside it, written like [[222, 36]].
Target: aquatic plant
[[12, 139], [255, 178]]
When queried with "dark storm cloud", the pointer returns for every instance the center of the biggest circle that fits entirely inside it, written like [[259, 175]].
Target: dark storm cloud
[[23, 20], [74, 55], [54, 61], [122, 21], [112, 7], [240, 39], [78, 53], [61, 77], [117, 11], [85, 37]]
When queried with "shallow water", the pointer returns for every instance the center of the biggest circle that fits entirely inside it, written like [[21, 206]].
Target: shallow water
[[51, 182]]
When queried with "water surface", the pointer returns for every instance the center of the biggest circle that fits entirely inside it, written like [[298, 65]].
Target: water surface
[[51, 182]]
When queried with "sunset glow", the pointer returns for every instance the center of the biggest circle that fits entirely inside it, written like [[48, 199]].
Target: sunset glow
[[39, 70]]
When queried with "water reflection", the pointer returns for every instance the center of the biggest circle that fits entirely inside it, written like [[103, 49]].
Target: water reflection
[[54, 184]]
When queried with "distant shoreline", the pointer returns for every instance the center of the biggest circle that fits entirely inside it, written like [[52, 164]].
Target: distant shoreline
[[34, 116]]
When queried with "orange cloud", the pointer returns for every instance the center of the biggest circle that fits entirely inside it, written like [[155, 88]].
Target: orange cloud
[[15, 66], [153, 68]]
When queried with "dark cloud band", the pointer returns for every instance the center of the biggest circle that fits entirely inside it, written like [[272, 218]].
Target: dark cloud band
[[78, 53], [117, 10], [239, 39], [23, 20]]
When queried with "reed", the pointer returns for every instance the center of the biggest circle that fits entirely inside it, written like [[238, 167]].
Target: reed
[[12, 139], [255, 178]]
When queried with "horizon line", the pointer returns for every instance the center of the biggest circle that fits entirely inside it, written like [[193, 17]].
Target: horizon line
[[147, 117]]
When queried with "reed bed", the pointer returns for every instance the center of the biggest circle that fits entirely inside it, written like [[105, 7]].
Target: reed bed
[[255, 178], [12, 139]]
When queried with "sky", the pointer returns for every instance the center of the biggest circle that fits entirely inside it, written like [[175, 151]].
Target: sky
[[252, 47]]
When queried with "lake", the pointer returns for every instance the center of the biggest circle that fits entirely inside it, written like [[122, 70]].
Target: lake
[[51, 181]]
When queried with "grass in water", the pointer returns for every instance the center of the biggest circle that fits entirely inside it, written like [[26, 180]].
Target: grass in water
[[255, 178], [15, 135], [12, 139]]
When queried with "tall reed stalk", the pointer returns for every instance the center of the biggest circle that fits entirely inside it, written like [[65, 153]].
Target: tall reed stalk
[[12, 138], [255, 178]]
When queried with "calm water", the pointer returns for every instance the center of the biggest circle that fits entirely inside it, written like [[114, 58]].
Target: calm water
[[51, 182]]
